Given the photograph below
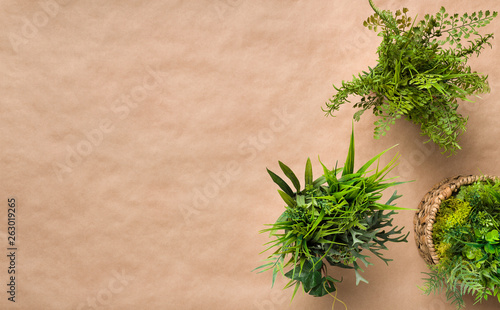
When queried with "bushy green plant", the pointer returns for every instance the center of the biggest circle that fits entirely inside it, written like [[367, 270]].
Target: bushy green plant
[[421, 74], [334, 219], [467, 241]]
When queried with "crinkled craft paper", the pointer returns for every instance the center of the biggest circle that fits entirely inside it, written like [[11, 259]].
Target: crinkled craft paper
[[135, 137]]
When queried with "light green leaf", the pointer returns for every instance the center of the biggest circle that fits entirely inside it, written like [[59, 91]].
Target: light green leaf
[[359, 278], [319, 181], [288, 200], [309, 173], [371, 161], [301, 200], [489, 248], [492, 236]]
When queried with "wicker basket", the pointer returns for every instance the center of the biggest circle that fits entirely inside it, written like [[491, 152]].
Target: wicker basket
[[427, 209]]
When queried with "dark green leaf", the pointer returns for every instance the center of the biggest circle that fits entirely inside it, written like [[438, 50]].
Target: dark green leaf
[[282, 184], [349, 163], [313, 279], [289, 173]]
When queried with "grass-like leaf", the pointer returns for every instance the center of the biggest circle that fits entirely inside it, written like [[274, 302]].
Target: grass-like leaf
[[288, 200], [280, 182], [349, 162], [289, 173], [309, 173]]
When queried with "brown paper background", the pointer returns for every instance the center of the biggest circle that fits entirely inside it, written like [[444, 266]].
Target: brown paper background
[[135, 137]]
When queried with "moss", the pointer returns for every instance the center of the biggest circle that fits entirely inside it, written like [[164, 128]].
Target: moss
[[452, 213], [443, 250]]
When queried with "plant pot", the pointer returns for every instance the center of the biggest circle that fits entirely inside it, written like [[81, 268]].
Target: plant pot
[[425, 217]]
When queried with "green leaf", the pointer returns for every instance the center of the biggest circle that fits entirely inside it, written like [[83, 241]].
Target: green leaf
[[275, 273], [492, 236], [319, 181], [289, 173], [295, 290], [489, 248], [297, 274], [349, 163], [309, 173], [379, 206], [282, 184], [359, 278], [358, 114], [282, 218], [393, 197], [318, 290], [316, 223], [313, 279], [288, 200], [371, 161], [266, 266], [316, 262], [301, 200], [470, 253]]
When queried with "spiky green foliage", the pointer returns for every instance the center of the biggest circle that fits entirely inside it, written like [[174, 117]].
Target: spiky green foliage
[[334, 219], [421, 74], [466, 237]]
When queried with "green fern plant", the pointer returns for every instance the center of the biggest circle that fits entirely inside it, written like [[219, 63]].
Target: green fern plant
[[336, 219], [421, 74], [466, 237]]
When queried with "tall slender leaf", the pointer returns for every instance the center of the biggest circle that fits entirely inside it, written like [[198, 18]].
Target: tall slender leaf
[[309, 173], [288, 200], [349, 162], [282, 184], [289, 173]]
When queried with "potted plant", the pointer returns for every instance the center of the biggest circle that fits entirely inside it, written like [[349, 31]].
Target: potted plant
[[421, 73], [335, 219], [457, 233]]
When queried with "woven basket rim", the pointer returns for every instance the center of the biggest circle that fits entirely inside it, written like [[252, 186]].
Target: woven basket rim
[[425, 216]]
